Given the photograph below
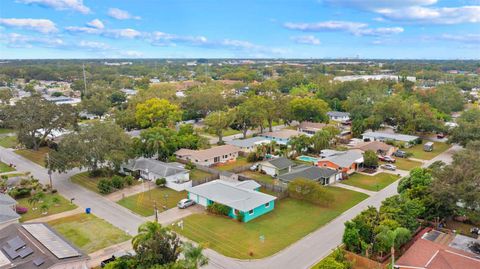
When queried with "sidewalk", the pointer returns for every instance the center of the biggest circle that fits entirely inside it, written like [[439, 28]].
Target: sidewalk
[[352, 188], [98, 256], [76, 211]]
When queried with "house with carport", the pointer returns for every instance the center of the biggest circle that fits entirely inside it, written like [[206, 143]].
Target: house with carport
[[242, 198]]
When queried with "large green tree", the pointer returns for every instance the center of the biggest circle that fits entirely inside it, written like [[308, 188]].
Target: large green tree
[[468, 128], [308, 109], [157, 112], [218, 121], [35, 118]]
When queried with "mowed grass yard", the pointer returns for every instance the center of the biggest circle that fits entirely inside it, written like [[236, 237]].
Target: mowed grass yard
[[88, 232], [290, 221], [371, 183], [198, 175], [5, 168], [54, 208], [143, 203], [258, 176], [241, 161], [405, 164], [36, 156], [8, 141], [419, 153]]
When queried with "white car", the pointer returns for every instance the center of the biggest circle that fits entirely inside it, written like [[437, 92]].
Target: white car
[[184, 203], [389, 166]]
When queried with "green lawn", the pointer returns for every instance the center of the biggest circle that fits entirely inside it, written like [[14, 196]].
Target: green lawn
[[36, 156], [143, 203], [372, 183], [241, 161], [61, 206], [197, 174], [83, 179], [88, 232], [290, 221], [226, 132], [8, 141], [5, 168], [6, 131], [258, 176], [405, 164], [419, 153]]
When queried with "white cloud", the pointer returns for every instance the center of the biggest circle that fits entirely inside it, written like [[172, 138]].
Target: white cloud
[[166, 39], [40, 25], [440, 15], [76, 5], [131, 53], [86, 30], [15, 40], [93, 45], [375, 4], [355, 28], [467, 38], [122, 33], [96, 23], [119, 14], [306, 39]]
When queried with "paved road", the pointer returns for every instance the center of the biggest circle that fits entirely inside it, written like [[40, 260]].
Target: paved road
[[213, 139], [302, 254]]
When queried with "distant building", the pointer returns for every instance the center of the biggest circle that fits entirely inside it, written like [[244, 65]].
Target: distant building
[[372, 77], [36, 245], [310, 128], [338, 116], [249, 144], [281, 137], [211, 156], [383, 137]]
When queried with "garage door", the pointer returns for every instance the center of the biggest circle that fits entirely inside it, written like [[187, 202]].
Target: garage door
[[202, 201], [193, 197]]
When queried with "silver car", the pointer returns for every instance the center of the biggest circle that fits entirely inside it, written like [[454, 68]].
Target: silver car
[[184, 203], [389, 166]]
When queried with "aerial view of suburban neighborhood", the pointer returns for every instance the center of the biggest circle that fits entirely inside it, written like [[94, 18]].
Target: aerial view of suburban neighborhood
[[255, 134]]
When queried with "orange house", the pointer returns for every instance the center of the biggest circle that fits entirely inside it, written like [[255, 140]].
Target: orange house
[[346, 162]]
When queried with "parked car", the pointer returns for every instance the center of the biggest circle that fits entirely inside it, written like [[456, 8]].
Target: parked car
[[440, 135], [389, 166], [115, 256], [254, 167], [184, 203], [400, 154], [387, 159]]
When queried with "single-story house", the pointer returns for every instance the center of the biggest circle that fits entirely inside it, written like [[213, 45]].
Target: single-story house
[[281, 137], [177, 177], [211, 156], [8, 213], [322, 175], [310, 128], [37, 245], [242, 198], [428, 253], [338, 116], [381, 136], [375, 146], [275, 167], [346, 162], [249, 144]]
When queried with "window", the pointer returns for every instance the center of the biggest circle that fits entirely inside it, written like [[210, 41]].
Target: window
[[267, 204], [324, 164], [250, 212]]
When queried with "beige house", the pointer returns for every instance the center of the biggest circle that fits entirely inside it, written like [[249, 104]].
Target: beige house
[[376, 146], [211, 156], [310, 128]]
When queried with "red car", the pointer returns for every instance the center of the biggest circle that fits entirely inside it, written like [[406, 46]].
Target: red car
[[440, 135], [387, 159]]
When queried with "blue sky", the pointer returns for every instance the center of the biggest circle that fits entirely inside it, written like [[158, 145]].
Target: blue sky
[[420, 29]]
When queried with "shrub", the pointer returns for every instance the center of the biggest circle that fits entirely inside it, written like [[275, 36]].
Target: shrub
[[370, 159], [190, 166], [129, 180], [118, 182], [218, 209], [21, 210], [54, 190], [104, 186], [254, 157], [160, 182], [240, 216], [20, 192], [311, 191]]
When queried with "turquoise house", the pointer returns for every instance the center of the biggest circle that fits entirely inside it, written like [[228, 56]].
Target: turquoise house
[[242, 198]]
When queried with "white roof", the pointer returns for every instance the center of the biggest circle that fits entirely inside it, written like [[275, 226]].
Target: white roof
[[248, 184], [386, 136], [249, 142], [229, 194]]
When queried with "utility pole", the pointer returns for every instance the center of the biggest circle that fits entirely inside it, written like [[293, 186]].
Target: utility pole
[[49, 171], [156, 211], [84, 80]]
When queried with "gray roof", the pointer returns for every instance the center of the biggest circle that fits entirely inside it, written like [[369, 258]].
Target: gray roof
[[243, 143], [338, 114], [5, 199], [313, 172], [388, 136], [7, 214], [228, 194], [281, 163], [154, 166], [345, 158], [248, 184]]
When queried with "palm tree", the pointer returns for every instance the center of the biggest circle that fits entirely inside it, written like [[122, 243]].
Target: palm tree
[[44, 207], [40, 196], [147, 231], [194, 256], [55, 200]]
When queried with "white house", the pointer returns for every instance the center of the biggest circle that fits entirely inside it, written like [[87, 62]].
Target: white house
[[281, 137], [249, 144], [380, 136], [338, 116], [177, 177]]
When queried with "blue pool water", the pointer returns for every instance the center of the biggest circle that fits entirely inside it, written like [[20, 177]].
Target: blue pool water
[[307, 158]]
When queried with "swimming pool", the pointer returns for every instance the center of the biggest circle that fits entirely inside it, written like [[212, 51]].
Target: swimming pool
[[307, 159]]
